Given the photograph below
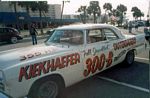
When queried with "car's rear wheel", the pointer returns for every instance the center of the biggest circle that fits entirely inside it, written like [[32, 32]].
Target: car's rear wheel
[[129, 59], [13, 40]]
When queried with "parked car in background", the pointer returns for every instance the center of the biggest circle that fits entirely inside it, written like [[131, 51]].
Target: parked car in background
[[141, 23], [147, 30], [8, 34], [138, 23], [134, 24], [125, 25], [147, 33]]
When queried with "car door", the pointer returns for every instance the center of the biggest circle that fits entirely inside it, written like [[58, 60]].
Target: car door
[[4, 34], [113, 39], [7, 34], [98, 53]]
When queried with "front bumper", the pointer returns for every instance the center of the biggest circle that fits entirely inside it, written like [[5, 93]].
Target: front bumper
[[19, 38]]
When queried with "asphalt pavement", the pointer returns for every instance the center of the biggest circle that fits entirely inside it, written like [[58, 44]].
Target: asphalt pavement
[[116, 82]]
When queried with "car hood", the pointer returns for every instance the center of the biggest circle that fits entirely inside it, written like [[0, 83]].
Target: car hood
[[20, 55]]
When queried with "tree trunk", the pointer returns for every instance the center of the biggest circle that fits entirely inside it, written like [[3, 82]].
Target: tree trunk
[[94, 17], [28, 12], [62, 9], [41, 25], [84, 19], [15, 10]]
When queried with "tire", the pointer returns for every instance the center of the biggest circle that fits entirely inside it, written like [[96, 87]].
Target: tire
[[46, 89], [129, 60], [13, 40]]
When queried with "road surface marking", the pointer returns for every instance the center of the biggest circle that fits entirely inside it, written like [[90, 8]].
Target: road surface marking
[[125, 84], [142, 58]]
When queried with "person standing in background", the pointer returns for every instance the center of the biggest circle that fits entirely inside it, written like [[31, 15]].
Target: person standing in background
[[33, 34], [130, 27], [136, 26]]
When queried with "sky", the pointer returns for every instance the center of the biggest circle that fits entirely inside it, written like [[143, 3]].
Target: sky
[[73, 5]]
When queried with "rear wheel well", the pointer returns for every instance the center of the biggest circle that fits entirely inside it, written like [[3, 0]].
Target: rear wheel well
[[135, 51], [54, 77]]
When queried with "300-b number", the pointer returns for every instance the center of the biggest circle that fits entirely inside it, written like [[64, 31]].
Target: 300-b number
[[97, 63]]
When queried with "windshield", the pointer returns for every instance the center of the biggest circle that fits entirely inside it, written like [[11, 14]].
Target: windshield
[[72, 37]]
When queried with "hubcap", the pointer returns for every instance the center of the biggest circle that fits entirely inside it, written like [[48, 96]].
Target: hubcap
[[14, 40], [48, 90], [130, 58]]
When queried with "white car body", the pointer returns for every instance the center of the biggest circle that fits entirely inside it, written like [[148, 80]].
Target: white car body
[[20, 68]]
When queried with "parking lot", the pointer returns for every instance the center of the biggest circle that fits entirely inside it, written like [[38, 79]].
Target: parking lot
[[117, 82]]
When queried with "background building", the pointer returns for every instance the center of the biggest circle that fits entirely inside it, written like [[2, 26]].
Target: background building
[[8, 16], [21, 18], [54, 12]]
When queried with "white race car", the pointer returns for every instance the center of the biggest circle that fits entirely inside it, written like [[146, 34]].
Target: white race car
[[70, 55]]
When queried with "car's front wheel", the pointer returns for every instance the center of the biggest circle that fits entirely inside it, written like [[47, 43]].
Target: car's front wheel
[[46, 88], [13, 40]]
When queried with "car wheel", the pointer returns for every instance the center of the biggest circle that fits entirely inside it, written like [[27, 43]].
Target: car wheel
[[46, 89], [13, 40], [129, 58]]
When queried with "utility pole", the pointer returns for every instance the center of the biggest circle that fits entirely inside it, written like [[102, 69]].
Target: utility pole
[[63, 2], [148, 14], [62, 9]]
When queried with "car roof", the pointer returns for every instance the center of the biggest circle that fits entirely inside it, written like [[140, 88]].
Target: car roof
[[83, 26]]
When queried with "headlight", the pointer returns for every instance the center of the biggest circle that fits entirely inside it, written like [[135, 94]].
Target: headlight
[[1, 81]]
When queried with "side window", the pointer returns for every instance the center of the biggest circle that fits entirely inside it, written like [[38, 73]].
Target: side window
[[5, 30], [72, 37], [76, 38], [110, 34], [10, 30], [95, 35]]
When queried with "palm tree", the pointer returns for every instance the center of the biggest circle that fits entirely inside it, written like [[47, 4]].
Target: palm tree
[[94, 9], [135, 10], [26, 4], [83, 15], [107, 7], [121, 11], [137, 13], [40, 6], [142, 15]]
